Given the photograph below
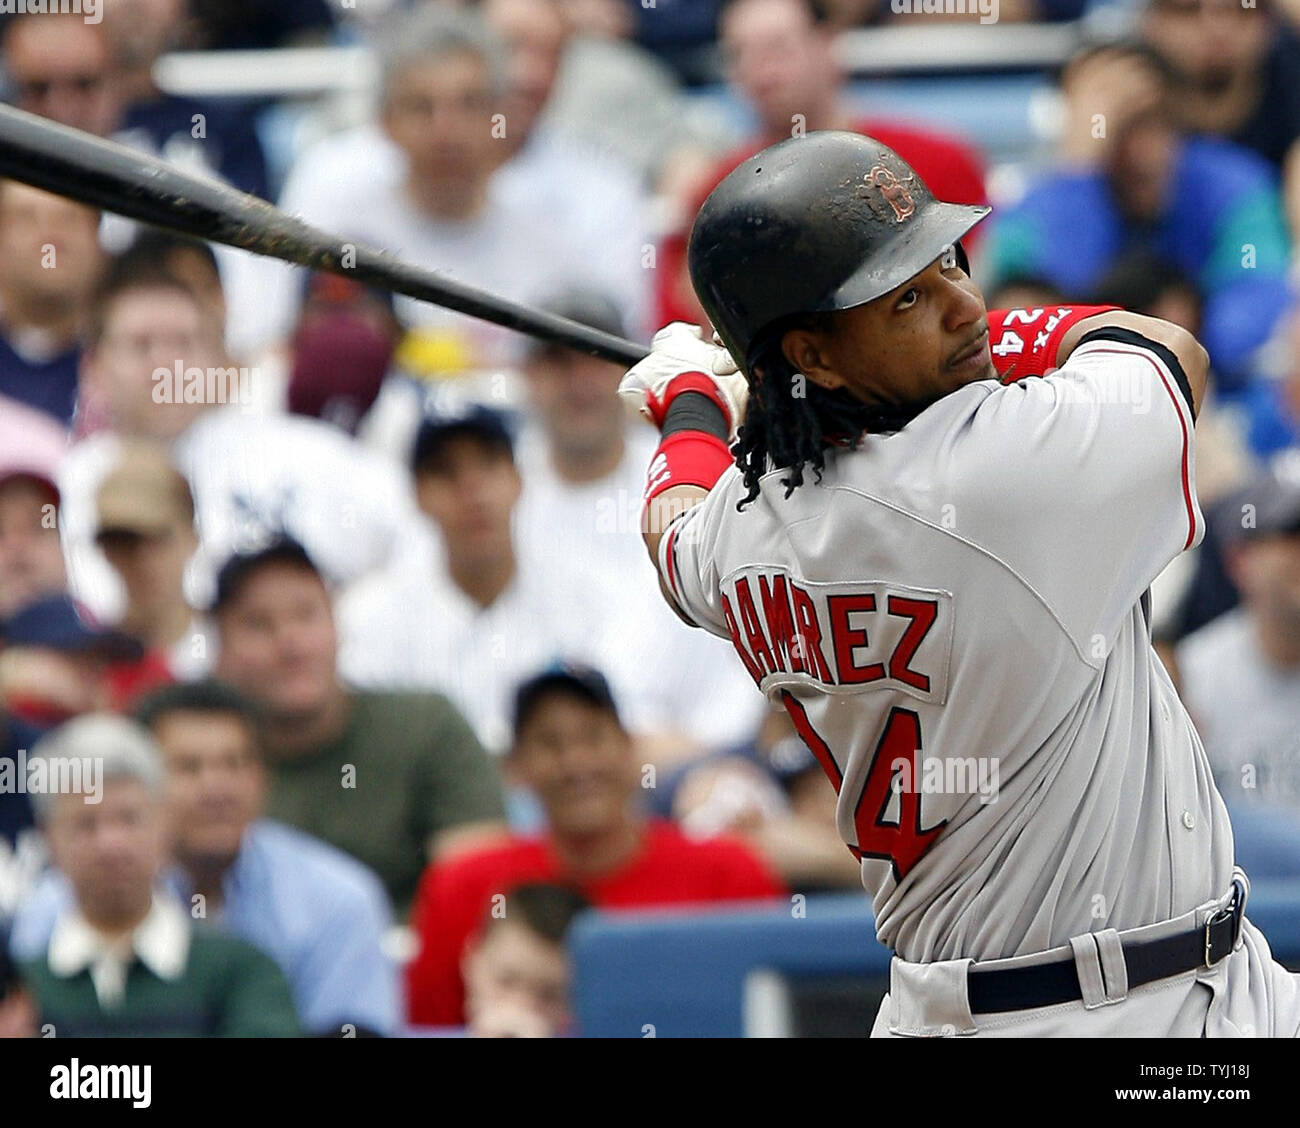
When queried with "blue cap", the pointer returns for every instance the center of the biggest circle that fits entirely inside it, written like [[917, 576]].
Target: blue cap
[[570, 679], [60, 623], [476, 421]]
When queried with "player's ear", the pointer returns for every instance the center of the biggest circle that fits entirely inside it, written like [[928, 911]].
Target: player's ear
[[802, 348]]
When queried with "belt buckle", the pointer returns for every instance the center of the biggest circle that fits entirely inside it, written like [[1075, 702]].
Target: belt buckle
[[1233, 910]]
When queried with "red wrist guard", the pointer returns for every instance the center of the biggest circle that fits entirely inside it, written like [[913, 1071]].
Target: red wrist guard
[[1023, 342], [687, 458], [686, 382]]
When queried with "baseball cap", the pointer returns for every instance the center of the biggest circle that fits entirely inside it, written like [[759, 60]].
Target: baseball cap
[[240, 567], [339, 365], [32, 444], [1274, 496], [60, 623], [474, 421], [570, 678], [587, 307], [143, 493]]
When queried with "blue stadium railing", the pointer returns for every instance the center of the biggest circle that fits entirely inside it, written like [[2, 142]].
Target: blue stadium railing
[[684, 974]]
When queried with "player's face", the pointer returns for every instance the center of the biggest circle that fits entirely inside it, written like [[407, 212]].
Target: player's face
[[917, 343], [278, 643], [578, 761]]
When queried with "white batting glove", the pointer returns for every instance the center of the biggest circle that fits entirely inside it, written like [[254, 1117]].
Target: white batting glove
[[677, 349]]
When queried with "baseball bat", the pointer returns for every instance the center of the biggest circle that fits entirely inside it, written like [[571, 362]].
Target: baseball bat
[[107, 175]]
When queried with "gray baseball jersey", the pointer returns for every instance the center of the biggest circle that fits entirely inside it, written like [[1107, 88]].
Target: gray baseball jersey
[[955, 618]]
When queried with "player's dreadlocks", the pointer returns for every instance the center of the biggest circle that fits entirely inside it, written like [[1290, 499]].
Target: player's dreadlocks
[[789, 425]]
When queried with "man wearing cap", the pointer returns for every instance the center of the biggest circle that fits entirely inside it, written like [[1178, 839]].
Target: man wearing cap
[[462, 614], [146, 532], [572, 750], [1241, 672]]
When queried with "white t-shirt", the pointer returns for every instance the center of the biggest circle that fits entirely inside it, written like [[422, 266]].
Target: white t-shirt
[[410, 626], [955, 618], [251, 476], [671, 677], [1247, 711], [559, 217]]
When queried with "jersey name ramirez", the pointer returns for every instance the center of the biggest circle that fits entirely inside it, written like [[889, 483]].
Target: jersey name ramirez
[[841, 637]]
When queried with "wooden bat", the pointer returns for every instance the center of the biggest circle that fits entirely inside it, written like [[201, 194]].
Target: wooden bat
[[110, 176]]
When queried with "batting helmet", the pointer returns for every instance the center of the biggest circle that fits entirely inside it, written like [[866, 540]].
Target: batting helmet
[[812, 224]]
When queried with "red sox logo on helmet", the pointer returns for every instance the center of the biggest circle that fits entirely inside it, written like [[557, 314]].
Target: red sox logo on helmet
[[890, 189]]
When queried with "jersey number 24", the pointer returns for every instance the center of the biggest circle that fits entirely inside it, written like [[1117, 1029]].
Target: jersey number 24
[[901, 843]]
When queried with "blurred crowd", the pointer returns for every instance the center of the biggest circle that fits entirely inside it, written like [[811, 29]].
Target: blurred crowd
[[335, 683]]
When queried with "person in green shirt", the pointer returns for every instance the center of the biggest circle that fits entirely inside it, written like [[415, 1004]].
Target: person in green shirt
[[126, 959], [394, 779]]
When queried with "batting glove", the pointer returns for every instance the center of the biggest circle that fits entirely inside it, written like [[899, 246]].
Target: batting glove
[[681, 360]]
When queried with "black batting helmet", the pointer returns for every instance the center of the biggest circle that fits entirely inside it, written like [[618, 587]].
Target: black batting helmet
[[817, 223]]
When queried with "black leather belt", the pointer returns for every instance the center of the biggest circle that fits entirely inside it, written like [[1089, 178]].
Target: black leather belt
[[1024, 988]]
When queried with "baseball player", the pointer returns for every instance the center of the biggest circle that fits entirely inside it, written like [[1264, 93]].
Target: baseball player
[[931, 542]]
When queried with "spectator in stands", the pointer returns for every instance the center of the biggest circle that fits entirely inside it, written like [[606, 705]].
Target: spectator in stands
[[155, 360], [190, 261], [780, 57], [52, 260], [394, 779], [60, 65], [1148, 284], [583, 465], [772, 793], [615, 97], [146, 532], [1128, 179], [186, 131], [516, 971], [55, 663], [123, 958], [1232, 69], [99, 77], [31, 562], [1241, 672], [504, 202], [573, 750], [318, 913], [462, 616]]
